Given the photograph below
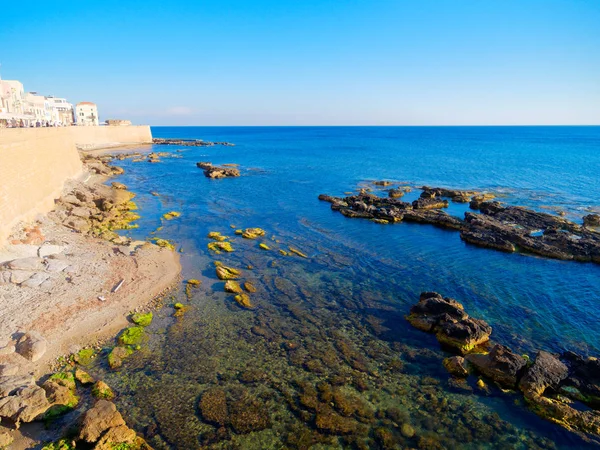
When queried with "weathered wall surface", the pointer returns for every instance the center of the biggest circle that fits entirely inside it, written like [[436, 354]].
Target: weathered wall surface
[[36, 162], [89, 138]]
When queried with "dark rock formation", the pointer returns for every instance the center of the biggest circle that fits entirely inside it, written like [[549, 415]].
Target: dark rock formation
[[546, 372], [500, 364], [592, 220], [447, 319], [457, 366], [188, 142], [211, 171], [505, 228]]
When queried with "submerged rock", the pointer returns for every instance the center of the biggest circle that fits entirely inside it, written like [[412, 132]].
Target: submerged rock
[[101, 390], [457, 366], [227, 273], [233, 287], [253, 233], [243, 300], [213, 406], [220, 246], [117, 355]]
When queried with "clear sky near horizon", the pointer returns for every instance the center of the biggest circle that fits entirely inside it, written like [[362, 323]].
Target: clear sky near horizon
[[312, 62]]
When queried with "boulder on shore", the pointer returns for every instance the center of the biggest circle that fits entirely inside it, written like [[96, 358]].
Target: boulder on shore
[[32, 346]]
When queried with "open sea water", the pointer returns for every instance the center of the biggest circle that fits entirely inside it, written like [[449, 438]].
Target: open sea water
[[329, 330]]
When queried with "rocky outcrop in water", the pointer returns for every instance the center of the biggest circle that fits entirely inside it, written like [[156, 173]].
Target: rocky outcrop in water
[[189, 142], [550, 384], [496, 226], [446, 318], [592, 220], [211, 171]]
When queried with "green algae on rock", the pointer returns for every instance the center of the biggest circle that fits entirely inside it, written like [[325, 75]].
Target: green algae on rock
[[164, 243], [297, 252], [243, 300], [218, 247], [85, 356], [249, 287], [217, 236], [117, 355], [83, 377], [233, 287], [171, 215], [142, 319], [252, 233], [101, 390], [264, 246], [132, 336], [227, 273]]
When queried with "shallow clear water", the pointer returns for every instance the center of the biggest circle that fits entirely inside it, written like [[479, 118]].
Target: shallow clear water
[[339, 313]]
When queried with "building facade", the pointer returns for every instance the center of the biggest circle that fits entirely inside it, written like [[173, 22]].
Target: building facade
[[86, 114], [62, 111]]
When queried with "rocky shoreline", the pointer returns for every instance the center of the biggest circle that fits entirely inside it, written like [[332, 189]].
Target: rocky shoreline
[[496, 226], [67, 281], [550, 384]]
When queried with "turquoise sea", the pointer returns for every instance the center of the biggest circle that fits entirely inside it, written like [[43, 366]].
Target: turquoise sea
[[326, 358]]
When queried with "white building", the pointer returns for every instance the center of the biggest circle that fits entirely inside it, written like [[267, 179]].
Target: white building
[[62, 110], [86, 114]]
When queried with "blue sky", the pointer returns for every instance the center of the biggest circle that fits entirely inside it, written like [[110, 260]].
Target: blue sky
[[342, 62]]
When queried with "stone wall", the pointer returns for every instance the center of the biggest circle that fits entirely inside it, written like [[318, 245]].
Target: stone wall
[[36, 162]]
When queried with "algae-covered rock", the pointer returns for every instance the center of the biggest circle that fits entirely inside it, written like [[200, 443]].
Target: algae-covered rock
[[248, 415], [213, 406], [62, 444], [66, 379], [194, 282], [297, 252], [253, 233], [243, 300], [407, 430], [233, 287], [141, 319], [249, 287], [117, 355], [85, 356], [101, 390], [220, 246], [164, 243], [227, 273], [217, 236], [171, 215], [239, 232], [132, 336], [283, 252], [457, 366], [83, 377], [264, 246]]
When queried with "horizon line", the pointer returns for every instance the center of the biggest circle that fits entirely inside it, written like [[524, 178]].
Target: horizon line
[[382, 126]]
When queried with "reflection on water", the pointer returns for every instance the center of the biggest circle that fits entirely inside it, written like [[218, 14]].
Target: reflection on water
[[326, 359]]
